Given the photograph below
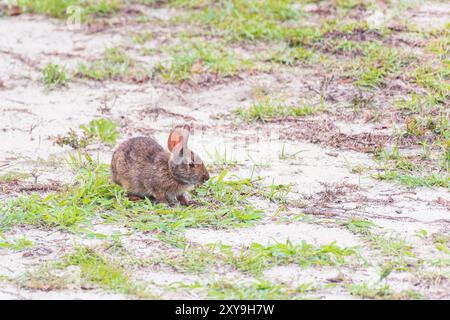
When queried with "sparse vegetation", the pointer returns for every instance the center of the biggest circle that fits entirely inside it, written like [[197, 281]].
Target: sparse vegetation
[[98, 270], [115, 64], [17, 244], [409, 171], [198, 57], [65, 8], [260, 290], [54, 75], [316, 120], [269, 109], [257, 257], [103, 130]]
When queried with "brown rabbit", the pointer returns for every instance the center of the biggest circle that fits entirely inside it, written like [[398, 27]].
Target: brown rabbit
[[144, 168]]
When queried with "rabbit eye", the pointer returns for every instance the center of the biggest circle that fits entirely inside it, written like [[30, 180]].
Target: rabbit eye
[[191, 164]]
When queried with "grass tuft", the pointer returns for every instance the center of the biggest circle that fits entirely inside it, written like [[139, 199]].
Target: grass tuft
[[61, 8], [53, 76], [269, 109], [198, 57], [116, 65], [255, 258]]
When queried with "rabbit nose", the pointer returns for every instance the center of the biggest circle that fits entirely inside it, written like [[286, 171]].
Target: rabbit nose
[[206, 177]]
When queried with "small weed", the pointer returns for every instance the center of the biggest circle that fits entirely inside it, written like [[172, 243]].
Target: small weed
[[415, 104], [287, 55], [103, 129], [73, 139], [46, 279], [223, 159], [268, 109], [115, 65], [54, 75], [275, 192], [262, 289], [197, 57], [98, 270], [413, 181], [360, 226], [61, 8], [407, 172], [383, 292], [284, 154], [378, 63], [371, 292], [434, 79], [14, 176], [141, 37], [255, 258], [397, 249], [17, 244], [192, 260]]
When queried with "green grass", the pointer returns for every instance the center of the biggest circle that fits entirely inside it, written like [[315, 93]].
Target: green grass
[[382, 292], [221, 203], [360, 226], [435, 79], [44, 278], [101, 271], [54, 75], [248, 20], [397, 252], [255, 258], [437, 124], [141, 37], [415, 180], [409, 172], [222, 159], [269, 109], [258, 290], [371, 292], [193, 260], [284, 54], [284, 154], [277, 193], [115, 65], [377, 64], [84, 268], [61, 8], [67, 209], [414, 104], [14, 176], [197, 56], [17, 245]]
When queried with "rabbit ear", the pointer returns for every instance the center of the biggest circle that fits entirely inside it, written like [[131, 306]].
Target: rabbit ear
[[179, 134]]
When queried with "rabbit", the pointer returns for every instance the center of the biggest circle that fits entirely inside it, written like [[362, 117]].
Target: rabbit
[[142, 167]]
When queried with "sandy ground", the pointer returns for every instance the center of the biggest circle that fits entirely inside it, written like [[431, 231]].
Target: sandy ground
[[322, 176]]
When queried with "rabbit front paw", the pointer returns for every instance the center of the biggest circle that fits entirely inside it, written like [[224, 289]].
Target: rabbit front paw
[[184, 199], [172, 200]]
